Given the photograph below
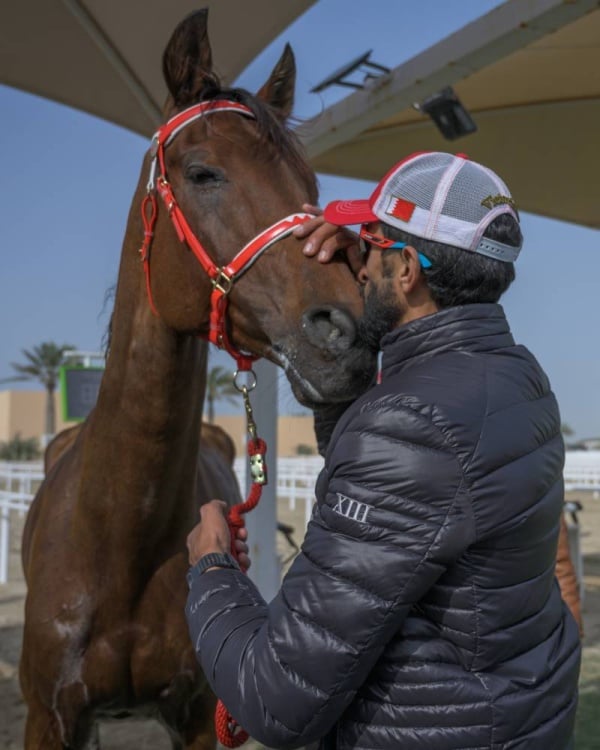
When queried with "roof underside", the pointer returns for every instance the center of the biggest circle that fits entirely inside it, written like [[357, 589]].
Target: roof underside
[[104, 56], [529, 74]]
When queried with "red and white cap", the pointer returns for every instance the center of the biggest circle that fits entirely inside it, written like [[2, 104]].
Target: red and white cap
[[439, 197]]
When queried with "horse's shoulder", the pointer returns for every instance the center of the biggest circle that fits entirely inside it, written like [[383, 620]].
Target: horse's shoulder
[[58, 445], [213, 436]]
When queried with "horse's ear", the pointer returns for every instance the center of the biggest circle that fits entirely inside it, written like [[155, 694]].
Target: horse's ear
[[187, 60], [278, 91]]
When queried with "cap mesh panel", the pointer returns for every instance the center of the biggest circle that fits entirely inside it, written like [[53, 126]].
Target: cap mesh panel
[[418, 180], [471, 185]]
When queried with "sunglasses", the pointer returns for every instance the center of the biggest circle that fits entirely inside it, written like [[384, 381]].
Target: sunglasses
[[367, 240]]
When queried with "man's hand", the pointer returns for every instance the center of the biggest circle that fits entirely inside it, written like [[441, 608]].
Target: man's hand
[[324, 239], [212, 535]]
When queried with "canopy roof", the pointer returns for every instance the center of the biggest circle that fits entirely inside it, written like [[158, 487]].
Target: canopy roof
[[529, 74], [104, 56]]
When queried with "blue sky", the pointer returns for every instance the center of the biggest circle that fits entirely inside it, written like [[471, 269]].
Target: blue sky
[[68, 179]]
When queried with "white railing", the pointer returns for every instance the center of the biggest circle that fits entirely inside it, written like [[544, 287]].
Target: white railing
[[582, 471], [17, 485], [582, 479], [296, 479]]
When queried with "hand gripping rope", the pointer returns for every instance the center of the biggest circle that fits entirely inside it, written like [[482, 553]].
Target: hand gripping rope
[[229, 732]]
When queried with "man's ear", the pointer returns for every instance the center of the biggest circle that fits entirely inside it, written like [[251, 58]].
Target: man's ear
[[409, 273]]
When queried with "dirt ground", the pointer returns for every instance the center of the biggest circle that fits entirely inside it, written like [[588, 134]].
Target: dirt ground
[[149, 735]]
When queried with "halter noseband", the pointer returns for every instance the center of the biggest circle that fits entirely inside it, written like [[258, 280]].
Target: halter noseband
[[222, 277]]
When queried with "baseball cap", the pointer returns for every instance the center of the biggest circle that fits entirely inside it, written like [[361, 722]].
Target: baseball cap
[[439, 197]]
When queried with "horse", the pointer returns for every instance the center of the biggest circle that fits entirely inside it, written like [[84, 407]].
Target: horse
[[104, 550], [216, 456]]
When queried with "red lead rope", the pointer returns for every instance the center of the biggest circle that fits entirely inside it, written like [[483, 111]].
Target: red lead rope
[[229, 732]]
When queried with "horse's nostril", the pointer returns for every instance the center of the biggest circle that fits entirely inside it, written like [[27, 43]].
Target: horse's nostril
[[330, 328]]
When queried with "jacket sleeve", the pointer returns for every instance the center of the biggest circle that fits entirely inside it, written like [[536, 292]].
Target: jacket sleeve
[[392, 514]]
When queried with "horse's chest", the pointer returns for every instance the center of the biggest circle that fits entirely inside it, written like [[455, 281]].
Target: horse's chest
[[140, 649], [136, 663]]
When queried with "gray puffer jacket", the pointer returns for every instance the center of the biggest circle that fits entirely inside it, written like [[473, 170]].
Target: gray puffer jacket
[[423, 612]]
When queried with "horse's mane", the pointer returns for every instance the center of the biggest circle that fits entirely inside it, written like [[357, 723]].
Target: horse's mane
[[109, 295]]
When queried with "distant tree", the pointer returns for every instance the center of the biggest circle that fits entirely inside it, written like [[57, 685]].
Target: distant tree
[[20, 449], [219, 387], [302, 449], [566, 430], [43, 364]]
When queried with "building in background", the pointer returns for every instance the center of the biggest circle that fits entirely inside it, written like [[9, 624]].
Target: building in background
[[22, 412]]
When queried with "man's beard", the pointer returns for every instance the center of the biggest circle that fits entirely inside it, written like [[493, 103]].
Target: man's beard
[[382, 313]]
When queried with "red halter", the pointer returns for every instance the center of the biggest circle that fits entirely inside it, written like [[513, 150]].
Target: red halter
[[222, 277]]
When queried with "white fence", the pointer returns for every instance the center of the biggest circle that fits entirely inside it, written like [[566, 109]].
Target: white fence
[[296, 479], [17, 484], [582, 470]]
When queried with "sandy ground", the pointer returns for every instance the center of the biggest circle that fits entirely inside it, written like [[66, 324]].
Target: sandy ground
[[149, 735]]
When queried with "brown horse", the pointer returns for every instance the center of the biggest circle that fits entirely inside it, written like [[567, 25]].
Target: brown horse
[[216, 455], [104, 546]]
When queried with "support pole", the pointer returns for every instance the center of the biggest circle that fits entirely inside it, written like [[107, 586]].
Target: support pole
[[262, 521], [4, 541]]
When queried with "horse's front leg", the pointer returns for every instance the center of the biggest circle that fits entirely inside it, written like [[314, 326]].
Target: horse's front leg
[[90, 738], [187, 712], [42, 729], [199, 732], [45, 730]]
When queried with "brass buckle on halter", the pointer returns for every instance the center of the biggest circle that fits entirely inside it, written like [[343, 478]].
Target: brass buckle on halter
[[164, 188], [222, 282]]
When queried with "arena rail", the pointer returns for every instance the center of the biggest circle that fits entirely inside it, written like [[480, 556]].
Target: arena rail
[[296, 477], [18, 482]]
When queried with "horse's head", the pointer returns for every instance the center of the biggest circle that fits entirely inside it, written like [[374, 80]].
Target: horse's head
[[229, 173]]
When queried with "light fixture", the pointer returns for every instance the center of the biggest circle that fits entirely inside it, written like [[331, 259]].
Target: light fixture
[[448, 113]]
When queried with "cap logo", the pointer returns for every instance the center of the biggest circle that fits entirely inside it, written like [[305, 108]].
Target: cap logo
[[498, 200], [400, 208]]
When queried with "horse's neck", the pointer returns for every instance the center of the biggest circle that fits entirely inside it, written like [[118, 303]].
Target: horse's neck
[[142, 440], [154, 383]]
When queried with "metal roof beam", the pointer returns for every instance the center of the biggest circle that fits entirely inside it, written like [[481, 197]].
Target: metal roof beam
[[506, 29]]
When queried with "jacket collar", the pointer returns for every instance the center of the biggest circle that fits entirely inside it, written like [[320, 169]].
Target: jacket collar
[[470, 328]]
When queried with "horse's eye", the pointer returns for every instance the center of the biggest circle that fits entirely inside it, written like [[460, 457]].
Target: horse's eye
[[198, 174]]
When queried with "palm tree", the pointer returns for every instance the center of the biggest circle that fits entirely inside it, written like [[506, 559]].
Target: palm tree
[[219, 386], [43, 363]]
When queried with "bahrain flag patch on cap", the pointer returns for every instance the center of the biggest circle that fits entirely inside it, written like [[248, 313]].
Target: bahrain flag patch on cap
[[400, 208]]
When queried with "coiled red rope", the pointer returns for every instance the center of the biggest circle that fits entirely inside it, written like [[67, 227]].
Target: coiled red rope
[[229, 732]]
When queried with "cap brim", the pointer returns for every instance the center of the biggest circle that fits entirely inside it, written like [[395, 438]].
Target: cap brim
[[349, 212]]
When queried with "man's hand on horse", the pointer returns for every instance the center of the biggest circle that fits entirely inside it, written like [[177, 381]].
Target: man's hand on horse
[[212, 535], [325, 240]]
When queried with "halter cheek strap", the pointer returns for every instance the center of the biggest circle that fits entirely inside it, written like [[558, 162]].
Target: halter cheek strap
[[222, 277]]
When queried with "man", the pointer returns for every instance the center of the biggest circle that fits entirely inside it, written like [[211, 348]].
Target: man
[[423, 611]]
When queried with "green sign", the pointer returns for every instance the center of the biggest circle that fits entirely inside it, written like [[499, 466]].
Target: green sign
[[79, 388]]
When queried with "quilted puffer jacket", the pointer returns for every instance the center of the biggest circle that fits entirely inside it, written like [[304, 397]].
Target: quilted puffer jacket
[[423, 612]]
